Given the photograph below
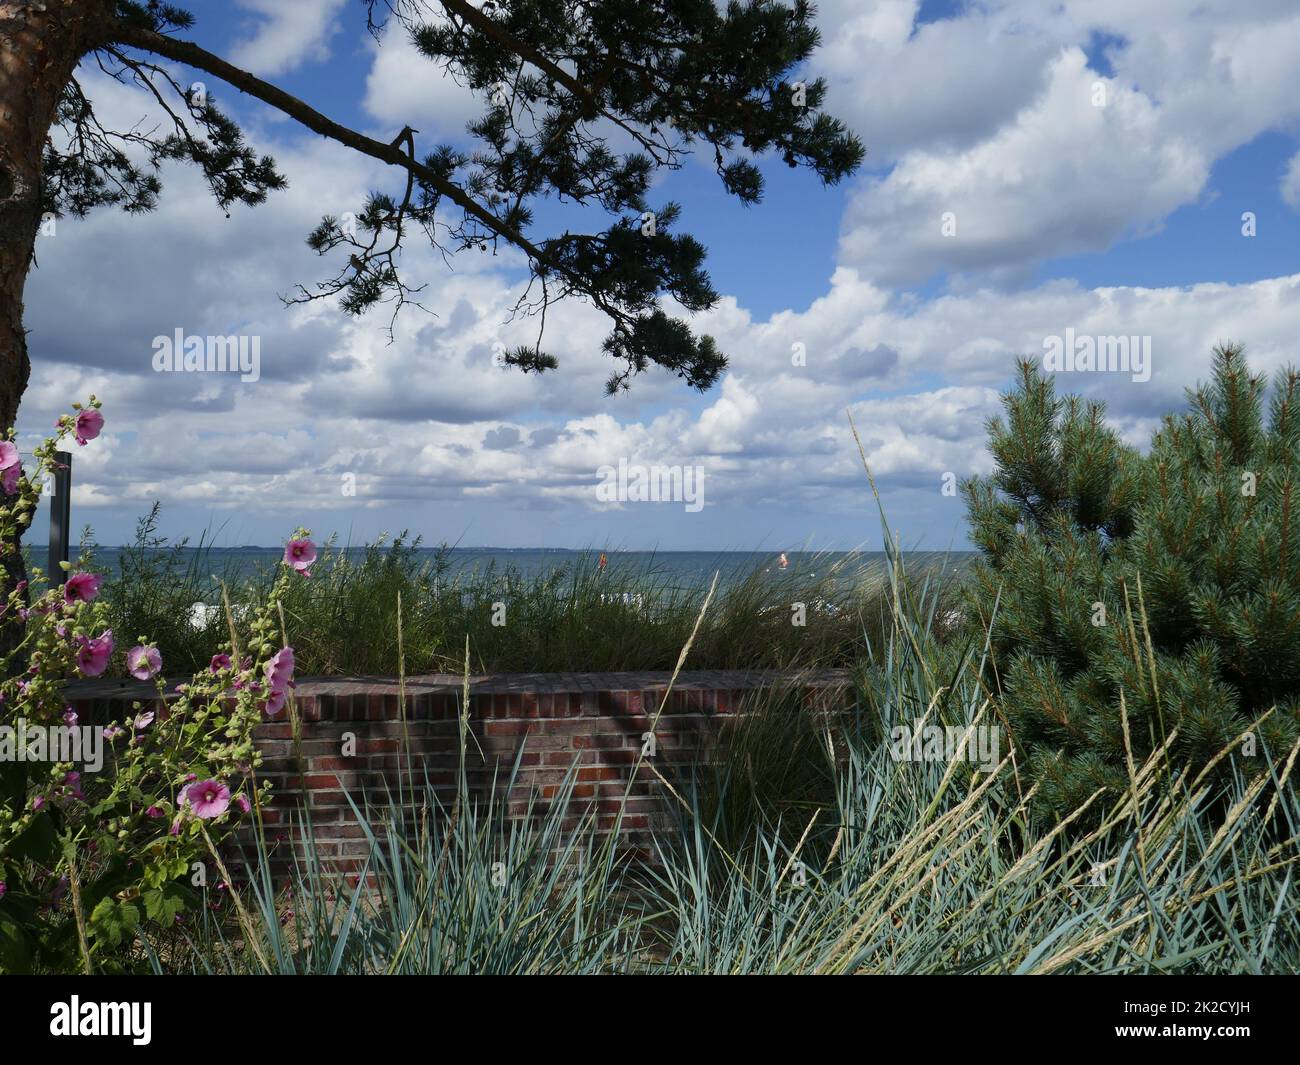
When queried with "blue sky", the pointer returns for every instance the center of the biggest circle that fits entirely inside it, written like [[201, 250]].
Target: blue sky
[[1122, 216]]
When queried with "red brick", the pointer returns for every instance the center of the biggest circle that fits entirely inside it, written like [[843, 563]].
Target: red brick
[[598, 773]]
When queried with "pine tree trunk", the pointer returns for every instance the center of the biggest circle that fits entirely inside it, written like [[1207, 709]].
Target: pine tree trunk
[[41, 42]]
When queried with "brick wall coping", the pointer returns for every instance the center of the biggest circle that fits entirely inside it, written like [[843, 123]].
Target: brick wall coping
[[128, 689]]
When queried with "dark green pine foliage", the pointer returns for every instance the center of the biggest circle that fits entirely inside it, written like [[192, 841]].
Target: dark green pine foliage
[[584, 105], [1170, 578]]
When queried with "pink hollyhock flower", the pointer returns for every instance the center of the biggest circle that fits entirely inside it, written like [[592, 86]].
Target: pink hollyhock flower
[[279, 670], [89, 423], [38, 802], [300, 554], [275, 702], [81, 587], [175, 830], [143, 720], [154, 811], [69, 716], [219, 662], [3, 889], [93, 655], [9, 456], [208, 798], [143, 662], [242, 802], [279, 678], [9, 479]]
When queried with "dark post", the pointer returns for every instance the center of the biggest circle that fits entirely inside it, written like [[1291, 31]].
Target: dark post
[[60, 516]]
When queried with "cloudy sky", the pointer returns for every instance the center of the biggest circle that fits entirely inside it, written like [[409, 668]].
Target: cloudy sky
[[1031, 168]]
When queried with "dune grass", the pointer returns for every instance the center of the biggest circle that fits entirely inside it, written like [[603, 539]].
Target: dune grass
[[808, 847], [572, 618]]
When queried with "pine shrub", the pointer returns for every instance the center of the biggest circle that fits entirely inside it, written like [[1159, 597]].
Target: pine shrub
[[1152, 592]]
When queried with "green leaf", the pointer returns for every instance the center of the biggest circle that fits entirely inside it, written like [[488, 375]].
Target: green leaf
[[39, 842], [113, 921], [15, 947], [164, 903], [13, 784]]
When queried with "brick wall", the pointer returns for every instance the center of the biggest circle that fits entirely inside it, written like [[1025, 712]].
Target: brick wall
[[352, 740]]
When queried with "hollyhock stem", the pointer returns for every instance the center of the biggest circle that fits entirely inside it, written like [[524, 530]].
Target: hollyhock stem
[[295, 723], [78, 912], [230, 621], [250, 933]]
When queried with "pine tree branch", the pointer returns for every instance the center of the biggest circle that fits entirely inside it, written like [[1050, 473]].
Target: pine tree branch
[[391, 153]]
